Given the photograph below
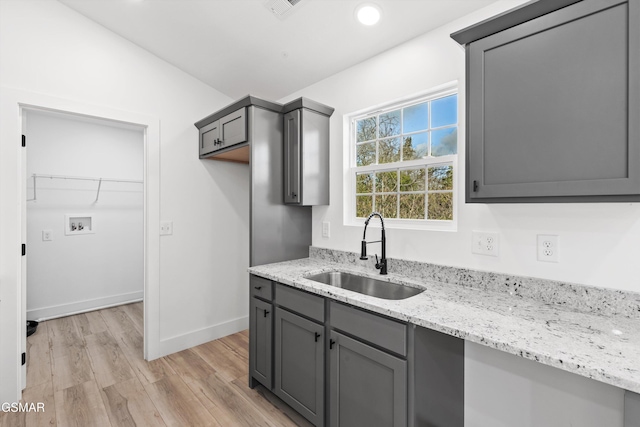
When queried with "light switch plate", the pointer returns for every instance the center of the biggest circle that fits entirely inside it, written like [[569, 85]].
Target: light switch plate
[[166, 228], [47, 235], [326, 229]]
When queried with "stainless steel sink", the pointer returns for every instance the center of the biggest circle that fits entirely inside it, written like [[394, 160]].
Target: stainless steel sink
[[365, 285]]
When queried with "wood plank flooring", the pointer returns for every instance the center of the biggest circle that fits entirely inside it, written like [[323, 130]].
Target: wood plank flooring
[[89, 371]]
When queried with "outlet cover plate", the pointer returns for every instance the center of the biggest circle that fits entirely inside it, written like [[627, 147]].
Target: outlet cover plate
[[166, 228], [485, 243], [547, 248]]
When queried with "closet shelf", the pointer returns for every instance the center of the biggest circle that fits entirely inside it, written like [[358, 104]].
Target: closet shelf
[[100, 180]]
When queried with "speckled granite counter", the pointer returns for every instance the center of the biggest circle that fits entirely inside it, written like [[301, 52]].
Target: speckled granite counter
[[589, 331]]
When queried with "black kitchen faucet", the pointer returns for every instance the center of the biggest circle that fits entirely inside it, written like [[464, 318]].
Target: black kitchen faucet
[[382, 263]]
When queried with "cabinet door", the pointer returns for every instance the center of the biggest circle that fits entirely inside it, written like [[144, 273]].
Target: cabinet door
[[299, 367], [209, 135], [292, 157], [260, 339], [553, 107], [367, 387], [233, 128]]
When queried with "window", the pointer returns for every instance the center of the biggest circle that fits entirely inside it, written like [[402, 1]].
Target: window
[[402, 161]]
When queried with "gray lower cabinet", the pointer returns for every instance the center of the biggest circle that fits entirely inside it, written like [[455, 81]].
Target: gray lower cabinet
[[385, 372], [339, 365], [261, 332], [631, 409], [368, 387], [553, 100], [261, 342], [299, 364]]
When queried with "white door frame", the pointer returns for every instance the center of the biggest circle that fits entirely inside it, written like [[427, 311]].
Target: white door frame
[[13, 218]]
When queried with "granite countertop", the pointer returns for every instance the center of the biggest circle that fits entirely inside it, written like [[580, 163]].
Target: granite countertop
[[602, 347]]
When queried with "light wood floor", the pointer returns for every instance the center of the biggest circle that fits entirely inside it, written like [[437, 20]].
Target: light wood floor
[[89, 371]]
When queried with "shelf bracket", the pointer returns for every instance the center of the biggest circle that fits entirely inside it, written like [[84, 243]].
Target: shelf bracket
[[35, 194], [98, 193]]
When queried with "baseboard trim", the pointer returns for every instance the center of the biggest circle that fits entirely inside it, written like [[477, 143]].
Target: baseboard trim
[[77, 307], [201, 336]]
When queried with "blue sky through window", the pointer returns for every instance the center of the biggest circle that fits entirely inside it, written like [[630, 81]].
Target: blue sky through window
[[444, 111], [416, 118]]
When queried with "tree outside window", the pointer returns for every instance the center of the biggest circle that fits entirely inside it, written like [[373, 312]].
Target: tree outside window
[[404, 160]]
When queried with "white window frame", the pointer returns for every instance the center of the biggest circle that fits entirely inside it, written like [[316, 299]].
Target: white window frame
[[349, 189]]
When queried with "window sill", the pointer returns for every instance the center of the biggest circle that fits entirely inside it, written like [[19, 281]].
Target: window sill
[[399, 224]]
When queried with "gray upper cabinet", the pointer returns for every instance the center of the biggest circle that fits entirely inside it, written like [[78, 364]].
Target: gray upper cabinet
[[227, 133], [209, 137], [233, 128], [306, 153], [224, 132], [292, 157], [553, 101]]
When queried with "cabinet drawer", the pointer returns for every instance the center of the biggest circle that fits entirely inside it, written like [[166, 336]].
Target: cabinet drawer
[[383, 332], [261, 288], [301, 302]]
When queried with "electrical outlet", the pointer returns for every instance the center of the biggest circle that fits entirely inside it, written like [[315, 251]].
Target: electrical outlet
[[485, 243], [326, 228], [47, 235], [166, 228], [547, 248]]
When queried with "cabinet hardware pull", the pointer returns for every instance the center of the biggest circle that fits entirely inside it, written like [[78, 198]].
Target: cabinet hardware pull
[[317, 336], [257, 288], [475, 186], [293, 195], [266, 312], [331, 343]]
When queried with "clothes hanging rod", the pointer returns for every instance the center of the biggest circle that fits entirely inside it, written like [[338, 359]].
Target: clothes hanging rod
[[86, 178], [79, 178]]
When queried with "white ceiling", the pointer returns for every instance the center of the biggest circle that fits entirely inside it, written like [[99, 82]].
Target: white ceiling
[[239, 47]]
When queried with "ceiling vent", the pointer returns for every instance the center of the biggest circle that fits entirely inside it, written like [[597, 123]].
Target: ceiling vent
[[281, 8]]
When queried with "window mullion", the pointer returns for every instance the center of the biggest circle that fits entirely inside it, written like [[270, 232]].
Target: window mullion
[[401, 134], [398, 193], [425, 163], [426, 198]]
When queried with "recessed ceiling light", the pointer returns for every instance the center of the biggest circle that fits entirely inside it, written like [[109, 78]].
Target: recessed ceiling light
[[368, 14]]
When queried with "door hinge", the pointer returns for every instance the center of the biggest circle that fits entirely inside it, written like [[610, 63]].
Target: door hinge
[[24, 140], [475, 186], [24, 249], [24, 358]]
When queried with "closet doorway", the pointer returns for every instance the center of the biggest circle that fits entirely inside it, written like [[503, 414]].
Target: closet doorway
[[85, 221]]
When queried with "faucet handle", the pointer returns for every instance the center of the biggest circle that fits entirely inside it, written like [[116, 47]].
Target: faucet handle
[[378, 266]]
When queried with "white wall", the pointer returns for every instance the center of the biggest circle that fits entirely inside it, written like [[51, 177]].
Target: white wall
[[503, 390], [72, 273], [45, 48], [598, 243]]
